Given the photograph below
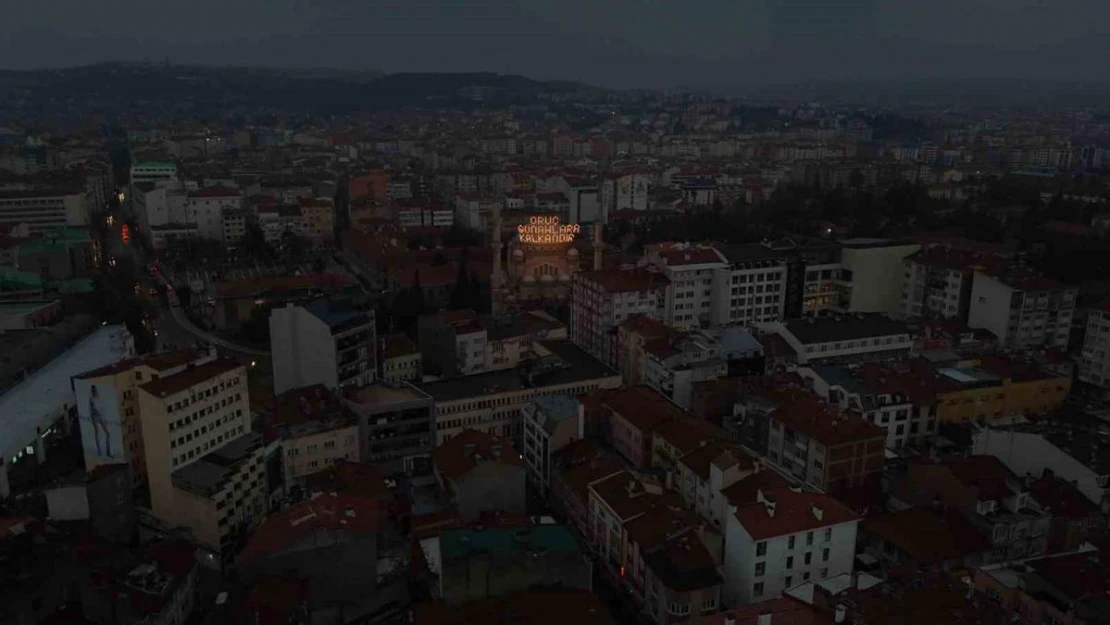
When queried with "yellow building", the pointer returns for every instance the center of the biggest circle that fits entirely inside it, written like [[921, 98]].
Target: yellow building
[[317, 430], [318, 220], [124, 378], [997, 387], [204, 466]]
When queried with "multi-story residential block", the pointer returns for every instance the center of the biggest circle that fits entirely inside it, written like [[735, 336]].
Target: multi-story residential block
[[844, 338], [872, 274], [156, 585], [550, 424], [690, 271], [1056, 589], [460, 342], [601, 300], [396, 425], [751, 288], [896, 398], [997, 387], [123, 379], [204, 465], [987, 494], [317, 220], [494, 401], [787, 537], [673, 365], [479, 473], [829, 449], [573, 469], [938, 281], [1094, 360], [316, 430], [633, 335], [634, 415], [45, 209], [401, 360], [325, 342], [670, 570], [157, 172], [922, 538], [207, 207], [1023, 311], [625, 190], [1075, 518], [235, 226]]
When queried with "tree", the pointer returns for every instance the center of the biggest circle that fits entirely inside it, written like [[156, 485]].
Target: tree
[[461, 294], [295, 245]]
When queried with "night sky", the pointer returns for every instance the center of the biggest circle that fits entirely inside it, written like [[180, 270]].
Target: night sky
[[618, 43]]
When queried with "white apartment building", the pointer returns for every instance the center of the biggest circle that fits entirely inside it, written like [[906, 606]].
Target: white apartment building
[[44, 210], [673, 366], [322, 342], [625, 191], [751, 288], [938, 281], [207, 207], [1022, 311], [788, 537], [690, 269], [550, 423], [1094, 360], [872, 272], [602, 299], [158, 172]]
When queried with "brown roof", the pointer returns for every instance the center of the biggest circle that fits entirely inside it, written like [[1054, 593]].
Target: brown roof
[[985, 473], [683, 564], [686, 433], [644, 408], [646, 326], [190, 377], [928, 535], [826, 424], [1014, 369], [783, 611], [697, 256], [159, 362], [794, 511], [272, 601], [457, 456], [581, 475], [1062, 498], [332, 513], [722, 454], [398, 345], [654, 527], [623, 280], [355, 478], [537, 606], [746, 490], [628, 497], [897, 380]]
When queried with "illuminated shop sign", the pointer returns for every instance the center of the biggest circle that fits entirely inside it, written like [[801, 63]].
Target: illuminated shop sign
[[546, 229]]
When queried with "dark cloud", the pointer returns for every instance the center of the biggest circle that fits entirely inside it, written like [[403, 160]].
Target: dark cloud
[[612, 42]]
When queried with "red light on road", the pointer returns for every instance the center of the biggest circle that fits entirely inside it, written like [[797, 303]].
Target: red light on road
[[622, 571], [125, 233]]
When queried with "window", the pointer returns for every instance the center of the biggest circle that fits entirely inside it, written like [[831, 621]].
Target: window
[[788, 581], [789, 563], [824, 555], [809, 536], [676, 607], [760, 569], [709, 603], [761, 548], [808, 558], [824, 573], [757, 589], [828, 534], [790, 543]]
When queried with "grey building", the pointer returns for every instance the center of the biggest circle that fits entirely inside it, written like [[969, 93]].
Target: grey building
[[325, 341], [396, 425], [480, 472]]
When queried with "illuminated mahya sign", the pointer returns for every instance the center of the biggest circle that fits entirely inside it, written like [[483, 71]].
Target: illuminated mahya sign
[[546, 229]]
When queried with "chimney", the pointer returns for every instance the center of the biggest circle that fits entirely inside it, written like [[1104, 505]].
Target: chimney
[[841, 613], [818, 513], [764, 618], [729, 620]]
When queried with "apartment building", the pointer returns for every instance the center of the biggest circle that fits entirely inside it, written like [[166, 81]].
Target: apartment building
[[844, 338], [207, 207], [1023, 311], [157, 172], [690, 271], [896, 398], [44, 210], [787, 537], [872, 272], [494, 401], [123, 379], [204, 465], [550, 424], [939, 278], [401, 359], [324, 341], [1094, 360], [751, 288], [317, 220], [634, 414], [672, 365], [602, 300], [997, 387], [829, 449], [316, 429], [625, 190], [480, 473], [461, 342], [396, 425], [633, 335]]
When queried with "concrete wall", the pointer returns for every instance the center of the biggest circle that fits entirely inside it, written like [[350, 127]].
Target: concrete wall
[[877, 277], [491, 486], [303, 350]]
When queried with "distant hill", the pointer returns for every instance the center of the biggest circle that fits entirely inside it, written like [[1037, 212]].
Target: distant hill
[[109, 87]]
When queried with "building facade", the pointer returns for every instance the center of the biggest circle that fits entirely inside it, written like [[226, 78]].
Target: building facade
[[322, 342]]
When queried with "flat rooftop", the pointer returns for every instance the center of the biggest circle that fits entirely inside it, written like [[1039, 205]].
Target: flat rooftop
[[37, 400], [461, 543], [384, 395], [844, 328], [567, 364], [212, 469]]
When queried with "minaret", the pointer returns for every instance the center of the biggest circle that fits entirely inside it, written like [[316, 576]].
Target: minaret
[[598, 245], [495, 247]]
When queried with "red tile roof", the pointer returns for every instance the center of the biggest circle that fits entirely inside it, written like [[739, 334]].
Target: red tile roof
[[643, 408], [695, 256], [159, 362], [623, 280], [1062, 498], [794, 512], [273, 601], [398, 345], [331, 513], [459, 455], [190, 377], [826, 424], [746, 490], [927, 535]]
